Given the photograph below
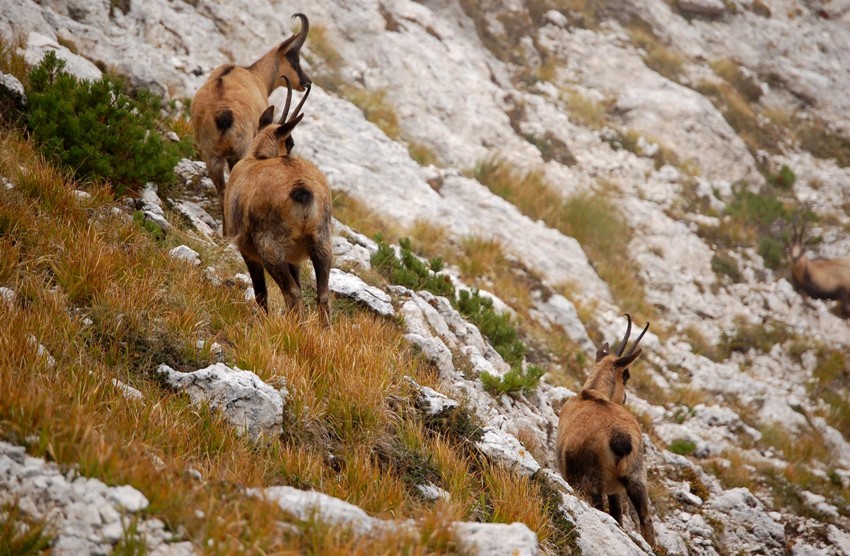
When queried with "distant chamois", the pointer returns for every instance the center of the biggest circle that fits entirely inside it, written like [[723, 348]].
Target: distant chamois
[[818, 278], [278, 213], [599, 448], [226, 109]]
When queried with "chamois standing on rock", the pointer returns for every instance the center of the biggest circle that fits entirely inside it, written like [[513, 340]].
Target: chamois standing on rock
[[226, 109], [818, 278], [278, 213], [599, 449]]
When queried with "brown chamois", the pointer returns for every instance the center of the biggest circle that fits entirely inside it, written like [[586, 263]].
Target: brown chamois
[[818, 278], [278, 213], [599, 448], [226, 109]]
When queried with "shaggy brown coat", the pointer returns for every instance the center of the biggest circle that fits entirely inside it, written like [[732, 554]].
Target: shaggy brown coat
[[599, 448], [818, 278], [226, 109], [278, 213]]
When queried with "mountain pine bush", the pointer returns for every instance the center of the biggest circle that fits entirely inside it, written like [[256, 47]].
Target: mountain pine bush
[[96, 129]]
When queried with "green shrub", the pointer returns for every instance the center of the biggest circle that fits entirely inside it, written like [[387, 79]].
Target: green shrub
[[785, 178], [96, 129], [495, 326], [756, 208], [682, 447], [724, 264], [515, 380], [771, 251], [411, 272]]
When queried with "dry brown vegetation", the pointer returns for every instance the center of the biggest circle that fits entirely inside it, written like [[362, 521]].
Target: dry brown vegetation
[[99, 291]]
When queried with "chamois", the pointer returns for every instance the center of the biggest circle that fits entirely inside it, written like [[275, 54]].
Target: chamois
[[278, 213], [818, 278], [226, 108], [599, 448]]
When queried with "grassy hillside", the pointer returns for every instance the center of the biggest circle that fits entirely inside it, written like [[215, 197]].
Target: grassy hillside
[[99, 292]]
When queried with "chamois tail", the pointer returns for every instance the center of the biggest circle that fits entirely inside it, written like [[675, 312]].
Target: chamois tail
[[302, 195], [621, 444], [224, 120]]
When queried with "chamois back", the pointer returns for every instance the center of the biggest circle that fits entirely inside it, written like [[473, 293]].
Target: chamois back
[[226, 109], [599, 447], [818, 278], [278, 213]]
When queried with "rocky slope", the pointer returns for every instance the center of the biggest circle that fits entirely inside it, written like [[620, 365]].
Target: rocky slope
[[476, 80]]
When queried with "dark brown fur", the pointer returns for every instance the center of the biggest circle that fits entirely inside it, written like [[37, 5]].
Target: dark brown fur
[[278, 213], [599, 448], [818, 278], [226, 108]]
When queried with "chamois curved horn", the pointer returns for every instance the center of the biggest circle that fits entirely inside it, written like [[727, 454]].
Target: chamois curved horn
[[639, 338], [307, 87], [302, 35], [626, 336], [288, 100]]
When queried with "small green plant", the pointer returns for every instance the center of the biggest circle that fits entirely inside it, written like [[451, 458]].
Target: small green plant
[[515, 380], [496, 326], [682, 446], [785, 178], [96, 129], [155, 231], [411, 272], [724, 264]]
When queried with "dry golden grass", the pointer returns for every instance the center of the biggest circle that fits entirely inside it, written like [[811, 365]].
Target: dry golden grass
[[659, 57], [362, 218], [101, 294], [592, 219], [586, 111]]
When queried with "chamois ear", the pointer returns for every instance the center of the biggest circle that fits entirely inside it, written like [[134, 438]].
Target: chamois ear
[[626, 360], [602, 352], [286, 129], [267, 117]]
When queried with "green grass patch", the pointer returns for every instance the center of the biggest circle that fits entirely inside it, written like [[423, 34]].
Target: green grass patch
[[682, 446]]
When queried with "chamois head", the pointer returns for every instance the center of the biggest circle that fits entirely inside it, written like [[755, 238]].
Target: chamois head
[[275, 140], [798, 244], [289, 58], [611, 372]]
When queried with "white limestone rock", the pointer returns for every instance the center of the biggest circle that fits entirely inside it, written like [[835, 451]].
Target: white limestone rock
[[38, 45], [185, 253], [707, 8], [128, 391], [506, 450], [247, 403], [349, 285], [515, 539], [8, 296]]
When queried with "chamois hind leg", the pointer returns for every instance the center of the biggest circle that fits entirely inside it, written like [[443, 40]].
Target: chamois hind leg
[[215, 168], [615, 508], [295, 272], [636, 489], [321, 259], [258, 279], [844, 299], [585, 476], [288, 286]]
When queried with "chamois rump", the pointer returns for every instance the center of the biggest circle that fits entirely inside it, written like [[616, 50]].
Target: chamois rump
[[278, 213], [226, 109], [818, 278], [599, 448]]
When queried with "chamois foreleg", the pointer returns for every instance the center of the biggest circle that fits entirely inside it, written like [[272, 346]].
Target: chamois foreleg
[[321, 259], [844, 299], [258, 279], [636, 490]]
